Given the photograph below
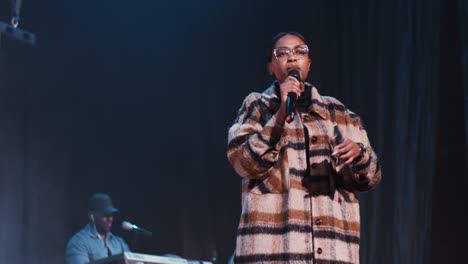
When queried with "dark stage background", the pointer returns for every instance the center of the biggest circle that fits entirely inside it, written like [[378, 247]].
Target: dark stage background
[[134, 98]]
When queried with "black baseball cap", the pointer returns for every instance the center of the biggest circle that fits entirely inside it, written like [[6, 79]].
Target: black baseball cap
[[101, 203]]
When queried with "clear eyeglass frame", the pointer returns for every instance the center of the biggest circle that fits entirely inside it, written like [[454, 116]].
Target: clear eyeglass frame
[[283, 53]]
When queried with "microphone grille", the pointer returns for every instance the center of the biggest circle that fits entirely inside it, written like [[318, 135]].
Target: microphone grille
[[295, 73], [127, 225]]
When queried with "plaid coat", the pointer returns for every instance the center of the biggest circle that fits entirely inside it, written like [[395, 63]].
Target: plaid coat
[[298, 206]]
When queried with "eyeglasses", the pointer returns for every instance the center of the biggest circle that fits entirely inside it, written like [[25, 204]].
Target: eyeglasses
[[282, 53]]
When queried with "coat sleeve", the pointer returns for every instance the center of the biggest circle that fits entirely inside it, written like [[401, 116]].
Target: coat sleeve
[[253, 142], [366, 171]]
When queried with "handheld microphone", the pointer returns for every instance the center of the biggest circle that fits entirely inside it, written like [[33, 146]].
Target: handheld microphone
[[131, 227], [292, 97]]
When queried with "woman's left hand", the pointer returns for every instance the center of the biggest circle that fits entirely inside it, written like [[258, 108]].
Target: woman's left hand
[[347, 151]]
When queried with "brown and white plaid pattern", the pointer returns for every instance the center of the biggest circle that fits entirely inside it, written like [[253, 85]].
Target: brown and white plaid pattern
[[297, 206]]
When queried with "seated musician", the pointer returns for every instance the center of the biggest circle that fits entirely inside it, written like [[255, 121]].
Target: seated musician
[[95, 241]]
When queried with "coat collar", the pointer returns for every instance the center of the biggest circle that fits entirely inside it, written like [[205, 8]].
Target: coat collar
[[270, 97]]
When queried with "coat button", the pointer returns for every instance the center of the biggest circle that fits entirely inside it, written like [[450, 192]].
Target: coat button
[[319, 250], [313, 139], [318, 221], [314, 165]]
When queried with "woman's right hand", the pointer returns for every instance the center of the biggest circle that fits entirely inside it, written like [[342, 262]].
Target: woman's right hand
[[289, 85]]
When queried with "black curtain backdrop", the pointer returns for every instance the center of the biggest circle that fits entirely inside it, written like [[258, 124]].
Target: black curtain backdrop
[[450, 181], [134, 98], [463, 35]]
